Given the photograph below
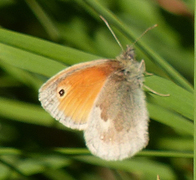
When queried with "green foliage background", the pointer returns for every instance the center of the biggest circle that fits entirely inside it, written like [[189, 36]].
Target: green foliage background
[[40, 38]]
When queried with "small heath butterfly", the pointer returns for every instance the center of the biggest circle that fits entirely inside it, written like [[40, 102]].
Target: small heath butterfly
[[104, 98]]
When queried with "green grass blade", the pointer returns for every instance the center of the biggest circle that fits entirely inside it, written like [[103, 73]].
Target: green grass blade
[[43, 48], [29, 61], [44, 19], [25, 112], [179, 99], [148, 168]]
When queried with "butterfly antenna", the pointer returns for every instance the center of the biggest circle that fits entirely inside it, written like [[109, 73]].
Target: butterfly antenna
[[107, 24], [144, 33]]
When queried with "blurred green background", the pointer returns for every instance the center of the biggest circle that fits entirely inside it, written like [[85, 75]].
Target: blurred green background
[[39, 38]]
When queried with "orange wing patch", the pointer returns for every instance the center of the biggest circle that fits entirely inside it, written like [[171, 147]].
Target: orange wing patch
[[81, 89]]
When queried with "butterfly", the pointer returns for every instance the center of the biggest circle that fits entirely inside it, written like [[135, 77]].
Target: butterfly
[[105, 99]]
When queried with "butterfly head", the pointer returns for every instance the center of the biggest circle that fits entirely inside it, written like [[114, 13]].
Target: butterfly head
[[129, 54]]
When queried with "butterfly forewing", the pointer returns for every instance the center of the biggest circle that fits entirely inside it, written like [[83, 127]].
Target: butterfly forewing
[[69, 96]]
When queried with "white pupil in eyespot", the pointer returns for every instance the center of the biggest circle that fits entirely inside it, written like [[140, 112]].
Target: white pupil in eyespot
[[61, 92]]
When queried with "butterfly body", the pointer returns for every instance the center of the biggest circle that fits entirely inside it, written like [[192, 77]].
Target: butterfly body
[[105, 99]]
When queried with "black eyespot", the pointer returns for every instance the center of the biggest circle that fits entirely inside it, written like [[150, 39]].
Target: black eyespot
[[61, 92]]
